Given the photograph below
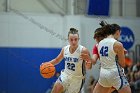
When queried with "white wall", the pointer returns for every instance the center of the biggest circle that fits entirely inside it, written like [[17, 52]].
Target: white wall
[[129, 8], [31, 30], [117, 7], [2, 7], [36, 30], [27, 6]]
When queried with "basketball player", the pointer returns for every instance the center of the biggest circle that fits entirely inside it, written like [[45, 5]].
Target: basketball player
[[98, 36], [72, 77], [111, 73]]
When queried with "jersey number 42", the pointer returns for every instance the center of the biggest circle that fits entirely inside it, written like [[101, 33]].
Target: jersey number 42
[[104, 51]]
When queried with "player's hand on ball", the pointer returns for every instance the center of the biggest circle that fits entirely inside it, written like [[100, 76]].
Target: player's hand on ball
[[47, 70]]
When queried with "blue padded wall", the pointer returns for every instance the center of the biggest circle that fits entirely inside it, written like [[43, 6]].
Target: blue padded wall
[[20, 69]]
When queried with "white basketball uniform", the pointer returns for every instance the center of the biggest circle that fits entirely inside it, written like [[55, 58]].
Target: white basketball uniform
[[111, 73], [72, 77]]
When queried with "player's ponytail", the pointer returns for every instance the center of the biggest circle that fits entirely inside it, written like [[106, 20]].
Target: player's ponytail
[[108, 29], [73, 31], [104, 26], [103, 23]]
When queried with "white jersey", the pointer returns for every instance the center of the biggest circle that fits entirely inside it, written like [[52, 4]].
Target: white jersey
[[111, 73], [73, 64], [106, 53], [73, 74]]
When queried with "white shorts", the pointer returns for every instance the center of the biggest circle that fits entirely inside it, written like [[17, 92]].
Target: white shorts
[[70, 83], [113, 78]]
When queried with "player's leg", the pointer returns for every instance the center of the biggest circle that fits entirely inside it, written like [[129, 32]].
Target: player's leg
[[121, 84], [111, 90], [75, 85], [126, 89], [62, 83], [104, 83], [100, 89], [57, 88]]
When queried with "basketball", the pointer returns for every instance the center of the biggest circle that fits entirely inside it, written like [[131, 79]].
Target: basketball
[[47, 70]]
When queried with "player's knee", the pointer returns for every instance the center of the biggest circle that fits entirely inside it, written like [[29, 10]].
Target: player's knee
[[125, 90], [128, 90], [58, 88]]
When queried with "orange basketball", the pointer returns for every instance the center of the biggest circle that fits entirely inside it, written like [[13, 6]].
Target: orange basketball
[[47, 70]]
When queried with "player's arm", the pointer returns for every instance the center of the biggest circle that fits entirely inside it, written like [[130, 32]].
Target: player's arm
[[88, 63], [58, 58], [119, 49], [95, 55], [93, 59], [125, 51]]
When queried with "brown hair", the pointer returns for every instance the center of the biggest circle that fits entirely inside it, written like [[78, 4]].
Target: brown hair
[[111, 29], [99, 34], [73, 31], [105, 30]]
